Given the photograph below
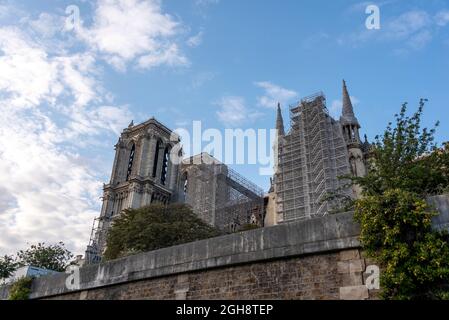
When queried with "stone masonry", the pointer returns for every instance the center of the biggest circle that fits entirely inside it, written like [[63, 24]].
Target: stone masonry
[[312, 259]]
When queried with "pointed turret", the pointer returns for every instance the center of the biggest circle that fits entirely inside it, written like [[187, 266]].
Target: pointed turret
[[348, 116], [280, 121], [347, 104], [348, 120]]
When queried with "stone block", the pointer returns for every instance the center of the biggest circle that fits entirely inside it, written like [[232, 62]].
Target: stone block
[[84, 294], [343, 267], [352, 254], [356, 265], [352, 279], [354, 293]]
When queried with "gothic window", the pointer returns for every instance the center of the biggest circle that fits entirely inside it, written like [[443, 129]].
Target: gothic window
[[156, 157], [186, 185], [165, 160], [130, 161]]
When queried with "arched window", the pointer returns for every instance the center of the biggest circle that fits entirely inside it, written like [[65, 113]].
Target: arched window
[[164, 172], [156, 157], [130, 161], [185, 185]]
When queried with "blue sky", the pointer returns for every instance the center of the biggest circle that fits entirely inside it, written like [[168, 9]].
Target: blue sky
[[65, 94]]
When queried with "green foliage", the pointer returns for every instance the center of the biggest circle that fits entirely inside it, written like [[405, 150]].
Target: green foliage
[[154, 227], [21, 289], [339, 199], [53, 257], [7, 266], [407, 158], [394, 216], [396, 230]]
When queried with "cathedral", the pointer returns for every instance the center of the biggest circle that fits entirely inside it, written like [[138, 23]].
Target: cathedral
[[149, 168]]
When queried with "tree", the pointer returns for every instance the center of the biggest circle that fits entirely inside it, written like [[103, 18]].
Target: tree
[[7, 266], [406, 157], [394, 216], [53, 257], [153, 227]]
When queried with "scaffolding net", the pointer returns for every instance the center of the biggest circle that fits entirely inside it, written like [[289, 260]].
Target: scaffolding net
[[311, 157]]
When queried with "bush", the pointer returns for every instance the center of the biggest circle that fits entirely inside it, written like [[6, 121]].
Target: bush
[[396, 230], [395, 219], [21, 289], [154, 227]]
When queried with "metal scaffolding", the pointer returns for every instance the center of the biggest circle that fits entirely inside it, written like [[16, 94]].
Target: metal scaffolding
[[245, 205], [97, 239], [222, 197], [311, 157]]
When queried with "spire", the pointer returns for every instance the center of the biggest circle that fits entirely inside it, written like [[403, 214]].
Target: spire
[[348, 111], [280, 121], [348, 116]]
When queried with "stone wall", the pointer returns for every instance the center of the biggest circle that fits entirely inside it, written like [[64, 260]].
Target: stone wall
[[322, 277], [312, 259]]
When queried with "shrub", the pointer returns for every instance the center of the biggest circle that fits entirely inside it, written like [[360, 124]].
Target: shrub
[[21, 289], [154, 227]]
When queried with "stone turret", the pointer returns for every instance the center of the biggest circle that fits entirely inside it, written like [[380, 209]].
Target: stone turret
[[350, 128], [348, 119], [280, 121]]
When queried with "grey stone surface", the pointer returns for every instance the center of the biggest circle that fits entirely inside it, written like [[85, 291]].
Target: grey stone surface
[[441, 203], [332, 232]]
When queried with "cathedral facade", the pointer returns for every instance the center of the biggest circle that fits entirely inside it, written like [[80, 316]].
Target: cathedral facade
[[310, 159]]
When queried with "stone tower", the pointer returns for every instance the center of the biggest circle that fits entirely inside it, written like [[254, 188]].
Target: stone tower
[[350, 128], [142, 173]]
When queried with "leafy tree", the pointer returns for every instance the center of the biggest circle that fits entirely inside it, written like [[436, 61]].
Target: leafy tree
[[7, 266], [153, 227], [53, 257], [406, 157], [394, 216]]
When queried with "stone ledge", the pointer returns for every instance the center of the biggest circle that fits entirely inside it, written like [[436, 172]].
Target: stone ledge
[[329, 233], [354, 293]]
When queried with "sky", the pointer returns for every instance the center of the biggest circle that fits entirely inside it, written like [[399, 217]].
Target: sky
[[73, 74]]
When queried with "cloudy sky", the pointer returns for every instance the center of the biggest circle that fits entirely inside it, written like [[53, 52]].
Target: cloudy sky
[[68, 87]]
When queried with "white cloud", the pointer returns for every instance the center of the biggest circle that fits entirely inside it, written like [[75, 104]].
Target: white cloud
[[196, 40], [234, 112], [167, 56], [274, 94], [206, 2], [407, 24], [337, 105], [420, 39], [126, 30], [442, 18], [411, 30], [53, 112], [47, 24]]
